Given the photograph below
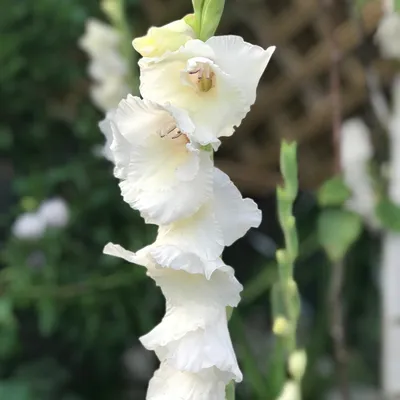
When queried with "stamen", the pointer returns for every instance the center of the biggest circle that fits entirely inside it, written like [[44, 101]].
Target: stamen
[[169, 130]]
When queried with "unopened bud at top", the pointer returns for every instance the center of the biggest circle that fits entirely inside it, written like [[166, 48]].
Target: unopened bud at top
[[162, 39]]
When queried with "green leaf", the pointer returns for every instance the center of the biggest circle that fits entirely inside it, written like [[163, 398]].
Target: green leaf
[[47, 315], [397, 5], [6, 312], [388, 214], [211, 17], [207, 14], [333, 192], [16, 390], [337, 231]]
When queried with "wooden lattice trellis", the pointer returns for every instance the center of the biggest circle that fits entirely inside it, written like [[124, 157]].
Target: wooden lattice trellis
[[293, 98]]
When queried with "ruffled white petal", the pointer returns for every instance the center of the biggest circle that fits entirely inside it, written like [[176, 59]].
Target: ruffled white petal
[[199, 234], [202, 343], [165, 178], [243, 61], [185, 289], [169, 383], [234, 214]]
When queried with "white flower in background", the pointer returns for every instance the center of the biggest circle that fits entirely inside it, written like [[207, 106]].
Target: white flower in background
[[163, 174], [107, 67], [208, 81], [106, 95], [29, 226], [159, 40], [54, 212], [388, 34], [98, 36], [356, 152], [105, 128]]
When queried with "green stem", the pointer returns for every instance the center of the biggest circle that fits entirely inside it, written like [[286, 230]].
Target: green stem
[[230, 391]]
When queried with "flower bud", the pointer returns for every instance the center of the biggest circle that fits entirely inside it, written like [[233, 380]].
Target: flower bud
[[281, 326], [162, 39], [297, 364]]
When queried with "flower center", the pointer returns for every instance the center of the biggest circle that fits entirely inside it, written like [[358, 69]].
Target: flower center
[[200, 74], [170, 130]]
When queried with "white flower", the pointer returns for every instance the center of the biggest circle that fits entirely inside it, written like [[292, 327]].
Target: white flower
[[195, 244], [98, 36], [356, 152], [169, 383], [193, 335], [29, 226], [107, 66], [388, 34], [106, 95], [215, 82], [163, 174], [54, 212], [169, 37]]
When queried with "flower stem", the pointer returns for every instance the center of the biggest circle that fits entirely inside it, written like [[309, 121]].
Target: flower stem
[[285, 294], [230, 391]]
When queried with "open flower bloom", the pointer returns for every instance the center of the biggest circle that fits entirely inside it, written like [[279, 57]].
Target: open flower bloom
[[159, 40], [193, 335], [195, 244], [215, 82], [169, 383], [163, 174]]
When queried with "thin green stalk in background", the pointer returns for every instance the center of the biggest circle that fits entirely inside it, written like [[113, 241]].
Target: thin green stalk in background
[[285, 294]]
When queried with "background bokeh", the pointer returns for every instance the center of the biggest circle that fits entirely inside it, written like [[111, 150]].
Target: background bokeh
[[70, 317]]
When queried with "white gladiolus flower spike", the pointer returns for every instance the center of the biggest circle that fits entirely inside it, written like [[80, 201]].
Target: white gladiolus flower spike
[[207, 80], [29, 226], [163, 174], [54, 212]]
